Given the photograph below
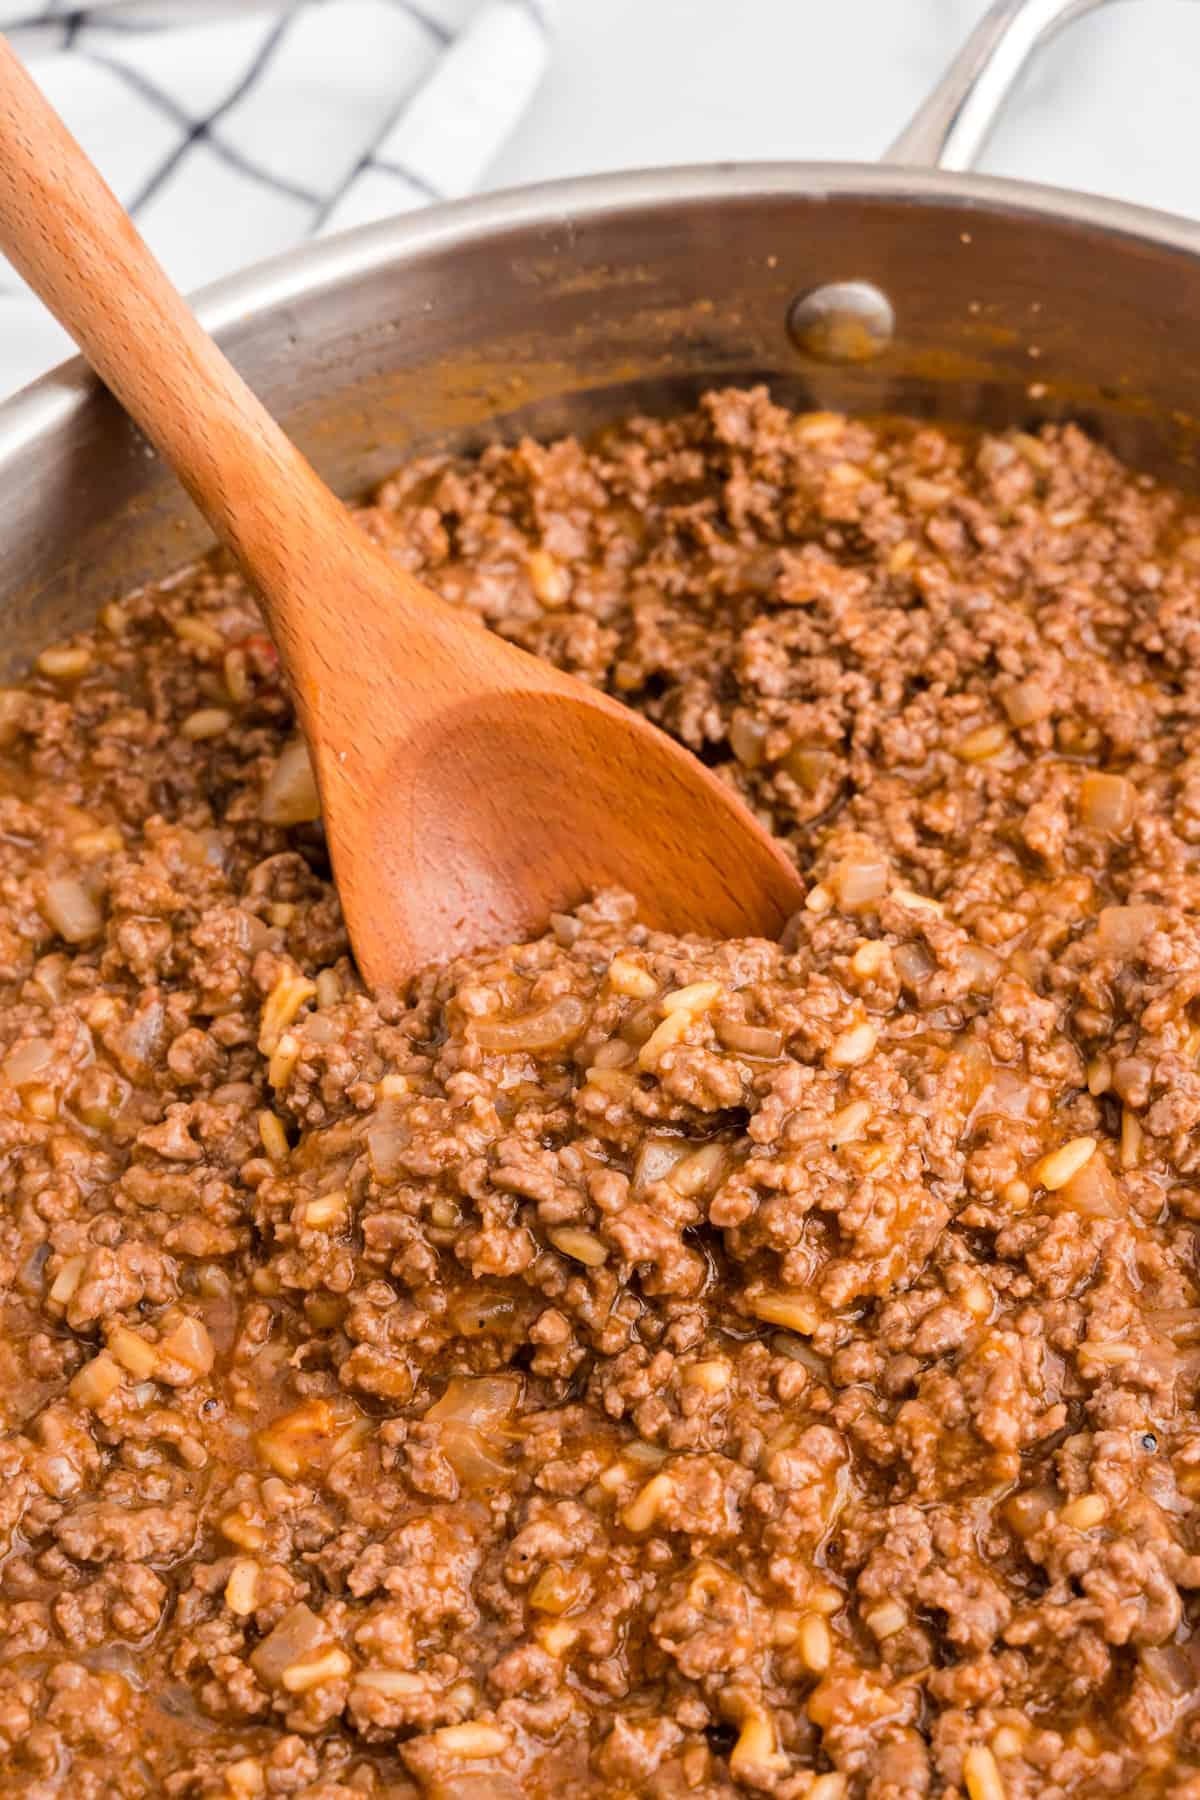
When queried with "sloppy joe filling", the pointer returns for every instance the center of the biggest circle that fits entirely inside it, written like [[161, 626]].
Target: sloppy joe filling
[[619, 1364]]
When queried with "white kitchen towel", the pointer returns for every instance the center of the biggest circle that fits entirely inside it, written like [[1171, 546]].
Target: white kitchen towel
[[233, 129]]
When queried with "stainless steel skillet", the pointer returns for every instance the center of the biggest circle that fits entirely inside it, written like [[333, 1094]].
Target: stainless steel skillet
[[554, 308]]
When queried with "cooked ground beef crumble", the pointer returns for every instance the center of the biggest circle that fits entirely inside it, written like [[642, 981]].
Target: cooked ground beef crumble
[[628, 1365]]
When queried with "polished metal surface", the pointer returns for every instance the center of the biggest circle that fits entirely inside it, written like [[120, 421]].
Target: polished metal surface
[[555, 308], [842, 321], [952, 128]]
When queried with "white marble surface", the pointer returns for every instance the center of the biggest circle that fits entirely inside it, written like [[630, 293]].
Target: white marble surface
[[1111, 106]]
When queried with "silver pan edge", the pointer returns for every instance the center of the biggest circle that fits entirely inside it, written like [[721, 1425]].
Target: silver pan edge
[[555, 308]]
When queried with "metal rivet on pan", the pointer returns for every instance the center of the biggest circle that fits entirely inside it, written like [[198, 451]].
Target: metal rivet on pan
[[844, 321]]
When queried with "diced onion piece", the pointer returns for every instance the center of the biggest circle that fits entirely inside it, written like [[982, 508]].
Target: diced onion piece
[[1120, 930], [396, 1684], [1027, 703], [476, 1312], [29, 1061], [981, 967], [1131, 1139], [712, 1375], [581, 1246], [548, 579], [388, 1139], [615, 1083], [473, 1418], [90, 846], [696, 998], [796, 1312], [1085, 1512], [188, 1342], [811, 768], [971, 1065], [67, 1280], [927, 494], [815, 427], [906, 896], [273, 1136], [846, 1124], [241, 1531], [700, 1172], [857, 882], [290, 795], [327, 1665], [757, 1748], [886, 1619], [40, 1100], [64, 662], [549, 1027], [476, 1462], [298, 1633], [982, 1776], [913, 963], [284, 1058], [97, 1381], [666, 1034], [1093, 1190], [977, 1298], [1108, 1356], [872, 960], [1026, 1511], [471, 1740], [133, 1352], [477, 1400], [751, 1040], [1107, 803], [282, 1005], [629, 978], [1099, 1074], [656, 1158], [70, 909], [814, 1642], [241, 1589], [207, 722], [299, 1438], [557, 1590], [1057, 1167], [244, 1779], [327, 1211], [1168, 1667], [747, 739], [200, 632], [853, 1046], [647, 1503], [982, 744]]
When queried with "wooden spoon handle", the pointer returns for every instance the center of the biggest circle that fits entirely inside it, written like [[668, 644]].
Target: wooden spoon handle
[[63, 228]]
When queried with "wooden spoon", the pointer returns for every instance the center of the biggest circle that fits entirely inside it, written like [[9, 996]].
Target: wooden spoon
[[468, 789]]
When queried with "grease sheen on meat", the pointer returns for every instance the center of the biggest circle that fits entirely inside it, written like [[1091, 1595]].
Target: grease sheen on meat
[[624, 1365]]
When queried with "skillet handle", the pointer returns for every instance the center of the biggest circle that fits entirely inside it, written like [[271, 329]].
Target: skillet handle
[[951, 127]]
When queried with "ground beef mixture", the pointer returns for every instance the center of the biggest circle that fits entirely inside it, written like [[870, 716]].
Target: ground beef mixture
[[625, 1365]]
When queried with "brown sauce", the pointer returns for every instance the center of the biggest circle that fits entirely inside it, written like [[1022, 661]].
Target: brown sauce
[[624, 1365]]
